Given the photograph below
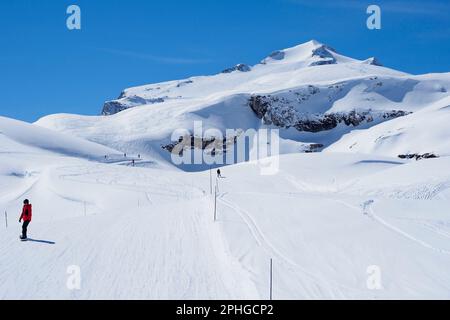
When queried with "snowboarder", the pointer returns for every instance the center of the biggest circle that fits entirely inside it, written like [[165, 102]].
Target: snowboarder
[[219, 174], [26, 217]]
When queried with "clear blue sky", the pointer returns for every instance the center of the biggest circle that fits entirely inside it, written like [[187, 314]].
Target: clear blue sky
[[45, 68]]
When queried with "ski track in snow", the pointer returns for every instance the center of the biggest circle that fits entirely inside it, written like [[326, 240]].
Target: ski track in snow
[[165, 270], [162, 243], [421, 192], [272, 251]]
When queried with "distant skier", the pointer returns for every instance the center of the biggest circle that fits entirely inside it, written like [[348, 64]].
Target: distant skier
[[219, 173], [132, 162], [26, 217]]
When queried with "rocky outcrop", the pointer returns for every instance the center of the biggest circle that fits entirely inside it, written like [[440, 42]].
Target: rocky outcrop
[[322, 62], [418, 156], [116, 106], [113, 107], [184, 83], [276, 55], [324, 53], [259, 105], [239, 67], [314, 147], [373, 61], [190, 142], [219, 146], [278, 112]]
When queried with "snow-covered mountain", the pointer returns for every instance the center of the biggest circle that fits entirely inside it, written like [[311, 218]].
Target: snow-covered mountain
[[107, 203], [312, 93]]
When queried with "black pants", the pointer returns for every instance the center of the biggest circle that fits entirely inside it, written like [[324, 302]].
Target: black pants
[[24, 229]]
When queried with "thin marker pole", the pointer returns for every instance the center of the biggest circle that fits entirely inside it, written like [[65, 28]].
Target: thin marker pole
[[210, 180], [271, 279], [215, 204], [217, 184]]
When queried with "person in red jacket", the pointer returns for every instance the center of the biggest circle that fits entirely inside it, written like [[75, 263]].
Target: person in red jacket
[[26, 217]]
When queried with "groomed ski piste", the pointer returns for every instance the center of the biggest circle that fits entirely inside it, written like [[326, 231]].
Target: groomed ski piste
[[354, 221], [149, 232]]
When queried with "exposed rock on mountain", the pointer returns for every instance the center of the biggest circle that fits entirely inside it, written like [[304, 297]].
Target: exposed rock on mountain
[[373, 61], [116, 106], [276, 55], [239, 67], [418, 156], [274, 111], [325, 53]]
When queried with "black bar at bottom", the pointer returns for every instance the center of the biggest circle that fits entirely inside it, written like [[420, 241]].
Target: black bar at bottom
[[241, 310]]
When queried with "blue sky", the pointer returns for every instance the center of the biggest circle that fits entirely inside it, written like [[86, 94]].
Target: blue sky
[[45, 68]]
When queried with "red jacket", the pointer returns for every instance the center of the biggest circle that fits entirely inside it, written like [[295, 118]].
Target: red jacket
[[26, 212]]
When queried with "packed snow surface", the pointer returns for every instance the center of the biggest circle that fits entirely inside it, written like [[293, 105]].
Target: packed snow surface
[[325, 219]]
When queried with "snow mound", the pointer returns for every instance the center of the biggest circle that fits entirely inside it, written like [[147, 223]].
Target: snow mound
[[17, 135]]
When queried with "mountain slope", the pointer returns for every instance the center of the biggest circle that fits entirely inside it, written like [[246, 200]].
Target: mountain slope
[[421, 133], [18, 135], [281, 70], [310, 92]]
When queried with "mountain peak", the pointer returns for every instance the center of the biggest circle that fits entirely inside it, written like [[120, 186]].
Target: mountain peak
[[310, 44], [311, 53]]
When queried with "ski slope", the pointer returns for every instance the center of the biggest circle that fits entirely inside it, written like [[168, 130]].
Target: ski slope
[[327, 219], [149, 233]]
